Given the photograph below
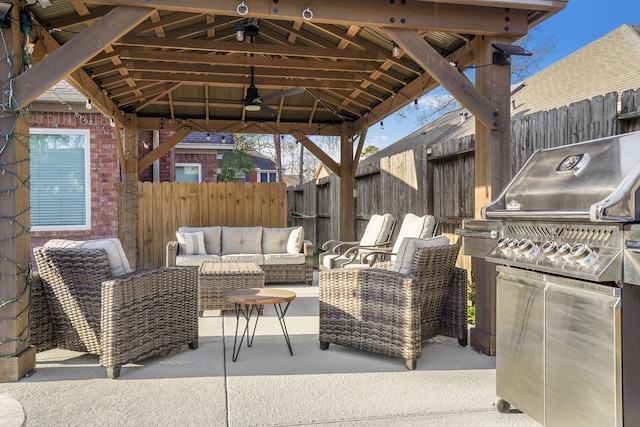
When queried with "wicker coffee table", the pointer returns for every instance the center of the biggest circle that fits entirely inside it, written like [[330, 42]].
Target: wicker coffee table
[[215, 278], [250, 301]]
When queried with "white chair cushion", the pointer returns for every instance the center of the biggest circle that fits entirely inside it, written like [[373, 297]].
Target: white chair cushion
[[241, 240], [274, 240], [284, 259], [191, 243], [194, 260], [378, 229], [117, 259], [243, 257], [413, 225], [296, 237], [212, 237], [408, 249]]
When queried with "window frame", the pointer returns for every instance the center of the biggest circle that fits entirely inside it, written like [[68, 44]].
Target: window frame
[[199, 165], [87, 177]]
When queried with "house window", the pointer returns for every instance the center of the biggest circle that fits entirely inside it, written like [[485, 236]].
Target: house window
[[60, 179], [188, 172], [267, 177]]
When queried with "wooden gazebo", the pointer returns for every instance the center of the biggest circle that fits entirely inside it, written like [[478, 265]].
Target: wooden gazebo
[[298, 67]]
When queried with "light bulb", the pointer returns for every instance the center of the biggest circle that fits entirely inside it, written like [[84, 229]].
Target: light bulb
[[381, 125], [88, 104], [239, 32], [415, 104], [208, 136], [112, 122], [395, 50], [222, 139]]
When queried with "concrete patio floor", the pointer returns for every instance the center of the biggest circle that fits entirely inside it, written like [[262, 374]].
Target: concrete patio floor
[[452, 385]]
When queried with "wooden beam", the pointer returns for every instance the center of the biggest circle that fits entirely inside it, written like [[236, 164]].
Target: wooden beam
[[163, 148], [356, 158], [69, 57], [317, 151], [431, 15], [347, 173], [449, 77]]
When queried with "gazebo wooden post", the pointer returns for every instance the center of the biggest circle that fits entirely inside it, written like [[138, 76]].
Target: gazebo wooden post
[[347, 212], [492, 173], [128, 141], [17, 356]]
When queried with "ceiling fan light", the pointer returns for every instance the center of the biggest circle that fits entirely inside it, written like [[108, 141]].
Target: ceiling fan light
[[252, 107]]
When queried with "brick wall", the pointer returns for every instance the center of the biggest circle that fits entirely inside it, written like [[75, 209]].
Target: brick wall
[[104, 169]]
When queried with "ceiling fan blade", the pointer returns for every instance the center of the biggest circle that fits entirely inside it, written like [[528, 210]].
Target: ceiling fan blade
[[282, 94], [268, 109]]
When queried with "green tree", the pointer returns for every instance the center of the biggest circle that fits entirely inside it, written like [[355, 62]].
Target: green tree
[[368, 151], [235, 163]]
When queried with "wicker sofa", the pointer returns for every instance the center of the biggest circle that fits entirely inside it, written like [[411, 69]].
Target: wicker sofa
[[77, 303], [393, 313], [282, 253]]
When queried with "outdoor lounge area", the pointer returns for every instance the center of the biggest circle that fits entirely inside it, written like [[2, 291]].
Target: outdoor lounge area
[[451, 385]]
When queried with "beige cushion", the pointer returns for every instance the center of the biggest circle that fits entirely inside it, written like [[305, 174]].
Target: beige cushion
[[296, 237], [378, 230], [408, 249], [241, 240], [212, 237], [194, 260], [117, 259], [284, 259], [274, 240], [413, 225], [191, 243], [243, 257]]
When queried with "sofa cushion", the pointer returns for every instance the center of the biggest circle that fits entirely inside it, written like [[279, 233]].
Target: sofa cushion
[[243, 257], [191, 243], [212, 237], [296, 237], [194, 260], [274, 240], [241, 240], [408, 249], [117, 259], [284, 259]]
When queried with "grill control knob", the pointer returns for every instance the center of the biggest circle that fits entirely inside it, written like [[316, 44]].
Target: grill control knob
[[527, 248], [550, 250], [583, 254], [564, 250], [503, 245], [513, 245]]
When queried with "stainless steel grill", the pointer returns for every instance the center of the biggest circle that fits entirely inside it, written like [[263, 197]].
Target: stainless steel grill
[[567, 250]]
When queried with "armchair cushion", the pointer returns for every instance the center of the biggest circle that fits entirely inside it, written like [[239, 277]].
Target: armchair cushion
[[413, 225], [378, 230], [117, 259], [212, 237], [191, 243], [408, 248]]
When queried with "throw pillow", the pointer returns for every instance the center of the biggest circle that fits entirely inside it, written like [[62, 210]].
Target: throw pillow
[[408, 249], [294, 244], [191, 243]]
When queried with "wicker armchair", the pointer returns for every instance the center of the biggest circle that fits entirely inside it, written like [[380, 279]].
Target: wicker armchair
[[123, 319], [389, 313]]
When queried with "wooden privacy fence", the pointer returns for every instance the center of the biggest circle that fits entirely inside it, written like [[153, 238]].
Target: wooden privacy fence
[[163, 207], [437, 177]]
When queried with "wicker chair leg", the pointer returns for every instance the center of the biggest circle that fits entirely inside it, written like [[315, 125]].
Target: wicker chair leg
[[113, 372], [193, 345], [411, 363], [324, 345]]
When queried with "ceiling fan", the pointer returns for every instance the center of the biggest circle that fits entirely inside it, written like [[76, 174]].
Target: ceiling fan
[[254, 102]]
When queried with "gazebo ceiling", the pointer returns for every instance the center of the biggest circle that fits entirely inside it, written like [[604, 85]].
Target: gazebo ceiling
[[315, 63]]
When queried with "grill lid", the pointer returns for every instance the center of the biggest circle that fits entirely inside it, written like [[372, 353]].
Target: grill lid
[[594, 180]]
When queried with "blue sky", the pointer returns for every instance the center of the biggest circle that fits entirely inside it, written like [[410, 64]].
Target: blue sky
[[580, 23]]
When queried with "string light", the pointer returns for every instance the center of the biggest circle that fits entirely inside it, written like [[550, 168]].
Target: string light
[[415, 103], [395, 50], [381, 125], [88, 105]]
